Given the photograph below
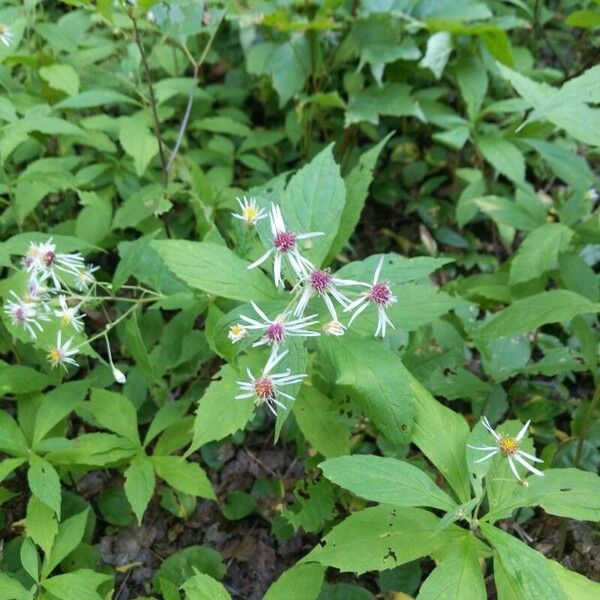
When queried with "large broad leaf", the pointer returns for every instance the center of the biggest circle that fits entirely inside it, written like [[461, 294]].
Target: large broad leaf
[[12, 440], [503, 155], [320, 422], [219, 414], [530, 313], [204, 587], [301, 582], [114, 412], [526, 569], [79, 584], [138, 142], [139, 485], [375, 378], [539, 251], [184, 476], [568, 493], [70, 534], [575, 585], [313, 201], [457, 577], [214, 269], [380, 538], [41, 524], [44, 482], [441, 434], [386, 480], [357, 186]]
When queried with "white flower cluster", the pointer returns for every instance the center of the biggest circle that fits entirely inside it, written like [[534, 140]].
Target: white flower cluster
[[49, 295], [307, 282]]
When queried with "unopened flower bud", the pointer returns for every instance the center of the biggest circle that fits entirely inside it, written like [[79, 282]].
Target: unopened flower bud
[[334, 328], [119, 376], [237, 332]]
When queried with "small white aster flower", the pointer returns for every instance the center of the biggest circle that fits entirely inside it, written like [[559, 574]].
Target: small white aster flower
[[85, 278], [285, 246], [62, 354], [324, 284], [592, 195], [42, 261], [38, 292], [509, 447], [379, 294], [237, 332], [69, 315], [250, 212], [275, 330], [265, 389], [6, 34], [25, 314], [334, 328]]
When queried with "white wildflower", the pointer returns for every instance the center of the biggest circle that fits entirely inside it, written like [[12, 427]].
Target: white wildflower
[[379, 294], [237, 332], [508, 447], [265, 389], [6, 34], [284, 245], [250, 212], [62, 354], [275, 330], [334, 328], [25, 314], [69, 315]]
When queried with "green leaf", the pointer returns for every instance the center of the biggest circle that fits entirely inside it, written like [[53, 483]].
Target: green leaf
[[61, 77], [182, 565], [375, 378], [41, 524], [503, 156], [319, 420], [11, 589], [70, 534], [300, 582], [457, 577], [570, 493], [204, 587], [219, 414], [30, 559], [386, 480], [94, 450], [441, 434], [314, 201], [139, 485], [214, 269], [184, 476], [472, 80], [380, 538], [114, 412], [575, 585], [578, 276], [539, 251], [138, 142], [79, 584], [390, 99], [527, 570], [135, 344], [44, 482], [18, 379], [357, 184], [12, 440], [8, 465], [534, 311], [91, 98], [439, 48], [56, 406], [223, 125]]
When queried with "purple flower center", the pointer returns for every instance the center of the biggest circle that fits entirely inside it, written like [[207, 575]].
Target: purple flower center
[[380, 294], [19, 314], [275, 333], [49, 258], [319, 281], [284, 241], [264, 388]]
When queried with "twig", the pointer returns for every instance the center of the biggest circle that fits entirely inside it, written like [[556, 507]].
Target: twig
[[155, 121], [190, 102]]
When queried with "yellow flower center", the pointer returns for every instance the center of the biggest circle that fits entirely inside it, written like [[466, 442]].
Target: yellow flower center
[[508, 445], [250, 214], [236, 329], [66, 319], [54, 356]]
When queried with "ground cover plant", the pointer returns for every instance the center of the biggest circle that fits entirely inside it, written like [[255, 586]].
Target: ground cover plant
[[299, 300]]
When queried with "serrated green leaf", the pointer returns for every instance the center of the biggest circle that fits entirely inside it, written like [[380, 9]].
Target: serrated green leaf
[[184, 476], [139, 485]]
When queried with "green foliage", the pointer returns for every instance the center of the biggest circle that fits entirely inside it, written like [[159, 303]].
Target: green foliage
[[444, 156]]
